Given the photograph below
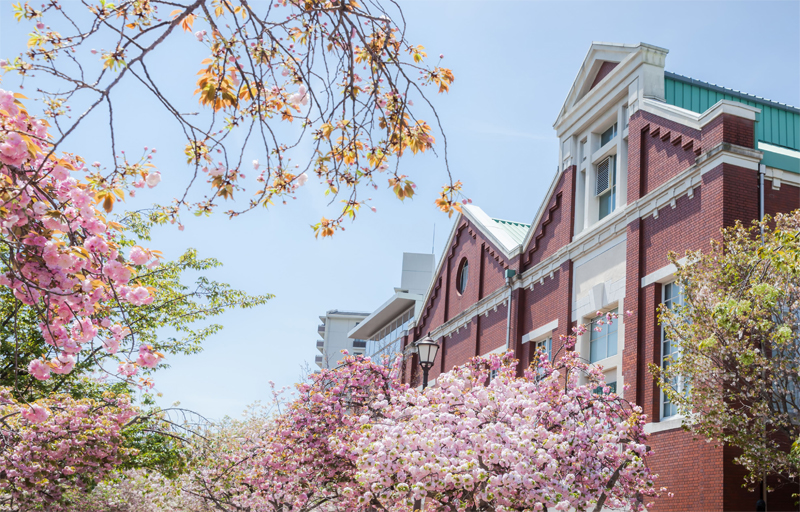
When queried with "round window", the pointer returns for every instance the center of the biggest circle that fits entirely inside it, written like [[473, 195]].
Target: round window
[[463, 276]]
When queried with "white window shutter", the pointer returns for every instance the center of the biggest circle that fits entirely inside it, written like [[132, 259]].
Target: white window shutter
[[603, 177]]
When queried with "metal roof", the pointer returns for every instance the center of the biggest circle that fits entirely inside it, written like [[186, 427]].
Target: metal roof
[[777, 125], [516, 230], [731, 92]]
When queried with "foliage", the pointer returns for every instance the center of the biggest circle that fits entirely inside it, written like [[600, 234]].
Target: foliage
[[57, 444], [75, 307], [738, 337], [355, 438], [334, 74]]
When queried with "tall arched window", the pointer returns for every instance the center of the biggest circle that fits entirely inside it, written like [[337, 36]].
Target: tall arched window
[[463, 276]]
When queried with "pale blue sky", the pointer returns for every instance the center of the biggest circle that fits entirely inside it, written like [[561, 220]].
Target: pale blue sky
[[514, 63]]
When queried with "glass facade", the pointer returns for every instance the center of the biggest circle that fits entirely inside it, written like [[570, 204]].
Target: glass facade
[[603, 338], [388, 341]]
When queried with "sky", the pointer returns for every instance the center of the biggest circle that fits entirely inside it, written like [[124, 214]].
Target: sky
[[514, 64]]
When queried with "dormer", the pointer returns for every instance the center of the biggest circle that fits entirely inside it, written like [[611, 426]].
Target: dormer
[[592, 125]]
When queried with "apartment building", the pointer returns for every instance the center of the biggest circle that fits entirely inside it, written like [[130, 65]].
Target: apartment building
[[385, 328], [333, 331]]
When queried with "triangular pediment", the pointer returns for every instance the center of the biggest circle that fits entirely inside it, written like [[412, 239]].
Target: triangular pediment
[[600, 61]]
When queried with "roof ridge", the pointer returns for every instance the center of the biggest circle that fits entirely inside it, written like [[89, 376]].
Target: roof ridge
[[510, 222], [728, 90]]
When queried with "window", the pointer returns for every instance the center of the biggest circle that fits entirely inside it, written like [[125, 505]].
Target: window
[[545, 345], [611, 385], [603, 339], [606, 186], [608, 135], [463, 276], [672, 297]]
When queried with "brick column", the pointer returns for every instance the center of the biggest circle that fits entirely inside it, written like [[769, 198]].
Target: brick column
[[632, 350]]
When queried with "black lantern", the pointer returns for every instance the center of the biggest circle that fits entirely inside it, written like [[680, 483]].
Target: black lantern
[[427, 349]]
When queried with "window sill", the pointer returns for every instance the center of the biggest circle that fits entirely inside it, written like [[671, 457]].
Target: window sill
[[670, 423]]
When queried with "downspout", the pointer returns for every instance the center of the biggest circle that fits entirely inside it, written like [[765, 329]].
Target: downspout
[[510, 273], [761, 172]]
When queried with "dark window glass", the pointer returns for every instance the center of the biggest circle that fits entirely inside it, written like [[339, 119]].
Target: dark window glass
[[463, 276]]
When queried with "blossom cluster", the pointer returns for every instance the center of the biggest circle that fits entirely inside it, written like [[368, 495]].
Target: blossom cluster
[[60, 256], [58, 445], [485, 437]]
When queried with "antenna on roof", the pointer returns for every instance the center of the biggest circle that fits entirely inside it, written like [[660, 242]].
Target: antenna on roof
[[433, 244]]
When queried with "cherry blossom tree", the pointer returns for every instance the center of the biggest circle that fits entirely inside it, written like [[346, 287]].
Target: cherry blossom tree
[[77, 311], [337, 75], [57, 445], [355, 438], [737, 376]]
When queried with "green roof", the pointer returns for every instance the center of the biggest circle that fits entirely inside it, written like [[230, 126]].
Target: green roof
[[778, 124], [516, 230]]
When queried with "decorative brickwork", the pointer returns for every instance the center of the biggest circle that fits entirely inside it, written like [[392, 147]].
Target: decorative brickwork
[[556, 228]]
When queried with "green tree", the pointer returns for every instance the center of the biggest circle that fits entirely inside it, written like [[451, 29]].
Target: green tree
[[738, 345]]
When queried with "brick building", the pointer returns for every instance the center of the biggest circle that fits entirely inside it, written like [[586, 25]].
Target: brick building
[[650, 162]]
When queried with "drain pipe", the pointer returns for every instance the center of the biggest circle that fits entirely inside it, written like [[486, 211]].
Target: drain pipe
[[762, 170], [509, 274]]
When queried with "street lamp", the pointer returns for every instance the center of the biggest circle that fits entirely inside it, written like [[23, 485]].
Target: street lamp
[[427, 349]]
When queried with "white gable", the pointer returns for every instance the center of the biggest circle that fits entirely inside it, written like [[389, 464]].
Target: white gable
[[630, 59]]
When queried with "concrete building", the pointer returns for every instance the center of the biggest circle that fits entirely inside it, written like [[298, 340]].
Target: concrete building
[[385, 327], [649, 162], [333, 330]]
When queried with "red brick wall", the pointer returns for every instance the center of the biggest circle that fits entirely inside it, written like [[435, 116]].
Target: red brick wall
[[692, 470], [783, 200], [729, 128], [658, 150], [486, 268], [556, 227], [604, 70], [547, 302]]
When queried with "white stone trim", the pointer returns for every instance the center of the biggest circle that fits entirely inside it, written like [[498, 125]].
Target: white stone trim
[[778, 149], [778, 176], [722, 154], [734, 108], [541, 332], [670, 423], [664, 274], [494, 232], [671, 112], [590, 255], [698, 121]]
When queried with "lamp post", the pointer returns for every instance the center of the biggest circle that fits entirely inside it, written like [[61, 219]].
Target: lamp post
[[427, 349]]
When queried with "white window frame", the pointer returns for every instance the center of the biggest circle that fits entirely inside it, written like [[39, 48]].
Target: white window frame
[[662, 395], [617, 322], [547, 343]]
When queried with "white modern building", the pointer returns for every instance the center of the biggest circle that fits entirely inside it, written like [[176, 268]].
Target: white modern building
[[385, 327], [333, 330]]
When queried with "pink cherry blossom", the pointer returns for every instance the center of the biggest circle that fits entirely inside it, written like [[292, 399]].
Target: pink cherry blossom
[[39, 369], [139, 256], [35, 413], [127, 369], [153, 178]]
